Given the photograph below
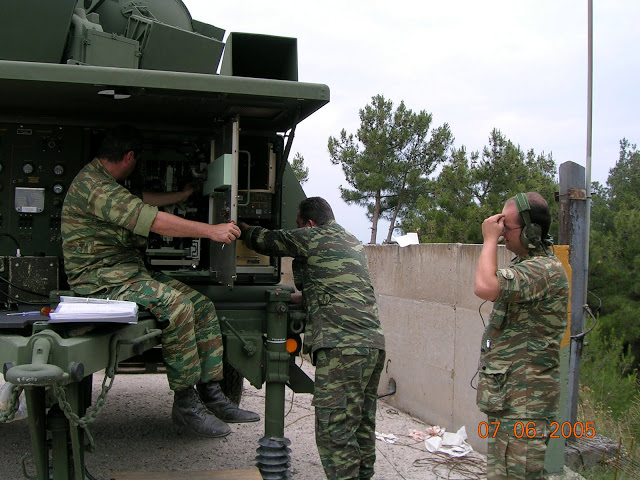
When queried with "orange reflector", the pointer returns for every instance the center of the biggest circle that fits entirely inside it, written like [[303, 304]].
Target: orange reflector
[[45, 311], [292, 345]]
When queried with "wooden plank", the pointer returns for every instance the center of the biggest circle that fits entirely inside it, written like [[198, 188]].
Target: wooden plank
[[249, 474]]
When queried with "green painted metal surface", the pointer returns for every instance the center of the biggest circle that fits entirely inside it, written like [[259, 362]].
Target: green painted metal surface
[[149, 64]]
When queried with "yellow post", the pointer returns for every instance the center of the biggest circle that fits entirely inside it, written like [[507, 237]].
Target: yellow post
[[555, 450]]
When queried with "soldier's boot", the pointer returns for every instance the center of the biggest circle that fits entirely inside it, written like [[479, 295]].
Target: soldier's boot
[[189, 413], [223, 408]]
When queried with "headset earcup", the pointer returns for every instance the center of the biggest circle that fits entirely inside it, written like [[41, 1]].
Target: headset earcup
[[531, 233], [524, 241], [531, 236]]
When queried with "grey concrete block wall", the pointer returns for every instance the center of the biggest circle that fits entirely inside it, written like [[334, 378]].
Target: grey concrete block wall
[[433, 328]]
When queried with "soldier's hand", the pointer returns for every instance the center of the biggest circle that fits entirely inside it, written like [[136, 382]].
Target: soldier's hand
[[492, 228], [243, 229], [191, 188], [224, 232]]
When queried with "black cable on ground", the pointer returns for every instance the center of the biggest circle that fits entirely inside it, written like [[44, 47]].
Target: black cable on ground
[[454, 468]]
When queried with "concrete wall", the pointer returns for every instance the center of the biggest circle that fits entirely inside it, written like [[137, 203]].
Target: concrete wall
[[433, 328]]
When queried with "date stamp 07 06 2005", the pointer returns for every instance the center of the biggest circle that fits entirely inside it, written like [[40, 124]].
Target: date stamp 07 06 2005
[[530, 430]]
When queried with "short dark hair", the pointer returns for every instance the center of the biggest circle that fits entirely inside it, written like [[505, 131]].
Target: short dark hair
[[539, 212], [316, 209], [119, 141]]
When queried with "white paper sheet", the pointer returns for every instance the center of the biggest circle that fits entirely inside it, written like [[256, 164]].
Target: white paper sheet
[[410, 238], [90, 310]]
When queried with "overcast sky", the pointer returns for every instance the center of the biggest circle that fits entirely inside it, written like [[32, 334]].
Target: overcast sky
[[516, 65]]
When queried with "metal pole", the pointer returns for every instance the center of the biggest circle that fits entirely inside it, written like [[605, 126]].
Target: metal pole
[[589, 141], [572, 233], [577, 340]]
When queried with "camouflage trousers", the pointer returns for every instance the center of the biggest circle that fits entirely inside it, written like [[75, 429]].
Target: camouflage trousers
[[512, 458], [191, 337], [345, 397]]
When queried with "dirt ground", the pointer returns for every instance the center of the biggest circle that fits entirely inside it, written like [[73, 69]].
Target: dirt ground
[[134, 434]]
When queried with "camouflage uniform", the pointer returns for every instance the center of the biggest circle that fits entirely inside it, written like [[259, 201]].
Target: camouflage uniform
[[104, 230], [519, 373], [343, 335]]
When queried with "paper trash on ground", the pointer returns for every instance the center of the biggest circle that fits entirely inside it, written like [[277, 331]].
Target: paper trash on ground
[[453, 444], [90, 310], [386, 437], [408, 239]]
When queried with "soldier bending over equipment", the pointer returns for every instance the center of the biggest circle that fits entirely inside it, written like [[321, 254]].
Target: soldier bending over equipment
[[344, 337]]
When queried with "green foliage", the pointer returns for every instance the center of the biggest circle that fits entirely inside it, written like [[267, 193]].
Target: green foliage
[[610, 397], [614, 257], [389, 159], [610, 472], [608, 372], [610, 392], [624, 429], [473, 187], [624, 178], [299, 168]]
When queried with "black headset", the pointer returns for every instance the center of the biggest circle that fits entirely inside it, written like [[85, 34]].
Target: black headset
[[531, 233]]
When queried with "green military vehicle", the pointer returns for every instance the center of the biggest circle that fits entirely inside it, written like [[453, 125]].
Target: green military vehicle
[[219, 113]]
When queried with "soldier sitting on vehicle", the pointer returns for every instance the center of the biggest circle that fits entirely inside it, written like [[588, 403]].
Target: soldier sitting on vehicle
[[104, 231]]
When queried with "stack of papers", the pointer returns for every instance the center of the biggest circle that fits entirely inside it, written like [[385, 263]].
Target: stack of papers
[[92, 310]]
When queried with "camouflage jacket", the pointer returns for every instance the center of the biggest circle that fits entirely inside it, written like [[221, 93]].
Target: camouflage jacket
[[104, 229], [520, 351], [331, 269]]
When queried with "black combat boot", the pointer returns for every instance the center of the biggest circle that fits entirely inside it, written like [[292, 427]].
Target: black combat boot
[[189, 413], [216, 401]]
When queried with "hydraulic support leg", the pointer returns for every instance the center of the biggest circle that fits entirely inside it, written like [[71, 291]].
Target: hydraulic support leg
[[58, 425], [273, 458], [35, 400]]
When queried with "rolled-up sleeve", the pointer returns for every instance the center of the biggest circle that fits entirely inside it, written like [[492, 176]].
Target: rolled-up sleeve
[[115, 205], [521, 283], [146, 218]]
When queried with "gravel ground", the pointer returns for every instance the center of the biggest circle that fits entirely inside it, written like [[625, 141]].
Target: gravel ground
[[134, 433]]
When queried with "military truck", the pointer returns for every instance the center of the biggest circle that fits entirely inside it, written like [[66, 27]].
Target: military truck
[[218, 112]]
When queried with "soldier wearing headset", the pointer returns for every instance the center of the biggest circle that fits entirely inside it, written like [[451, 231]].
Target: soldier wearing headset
[[518, 371]]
